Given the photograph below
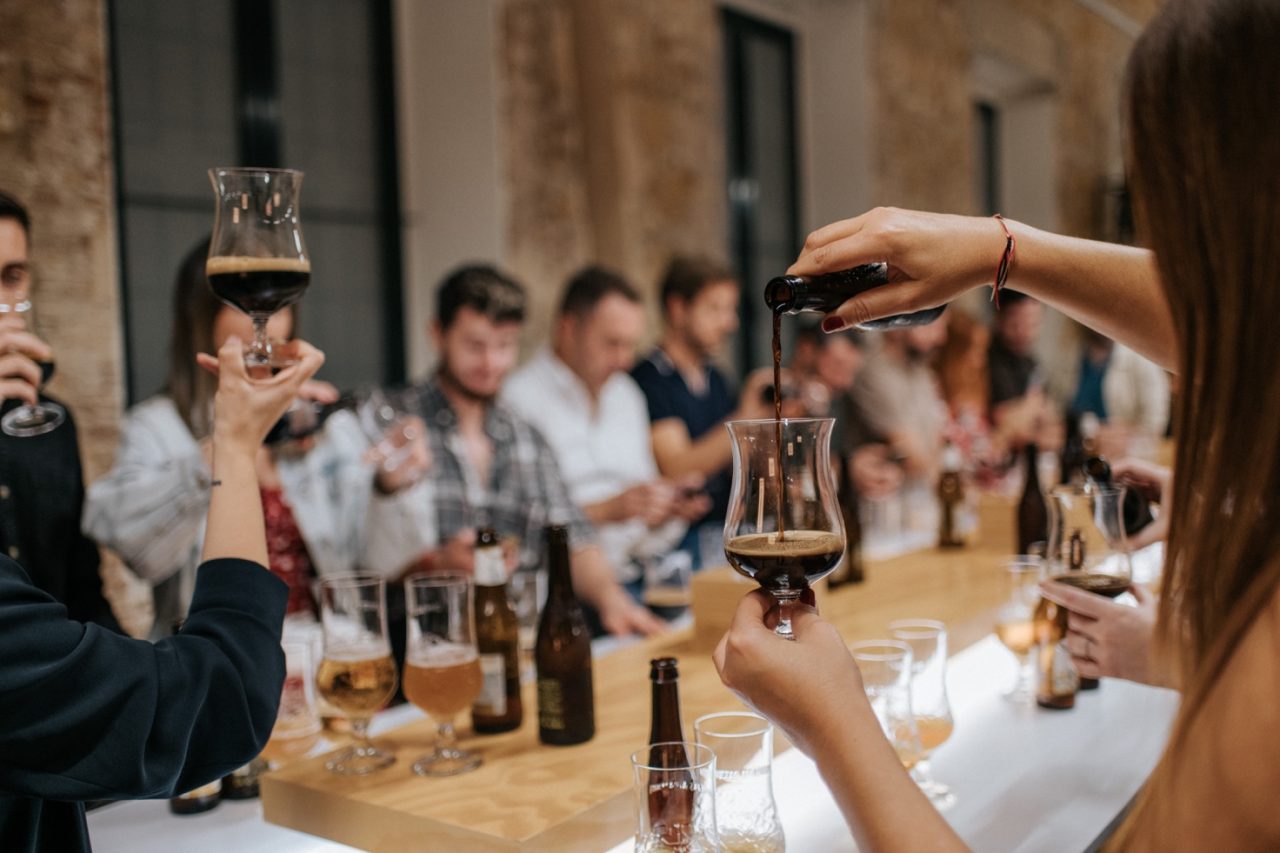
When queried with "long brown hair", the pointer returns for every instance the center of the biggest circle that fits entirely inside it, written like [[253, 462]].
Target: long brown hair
[[1203, 153], [961, 383], [194, 308]]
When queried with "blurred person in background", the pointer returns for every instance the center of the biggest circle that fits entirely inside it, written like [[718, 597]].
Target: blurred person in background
[[1128, 393], [1018, 406], [492, 468], [825, 376], [577, 392], [896, 394], [41, 484], [328, 510], [688, 396]]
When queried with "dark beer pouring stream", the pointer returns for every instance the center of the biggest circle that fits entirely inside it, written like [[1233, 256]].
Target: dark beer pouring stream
[[777, 418]]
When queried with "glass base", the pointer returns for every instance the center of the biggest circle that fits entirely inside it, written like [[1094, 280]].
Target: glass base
[[939, 794], [359, 760], [446, 762], [26, 421]]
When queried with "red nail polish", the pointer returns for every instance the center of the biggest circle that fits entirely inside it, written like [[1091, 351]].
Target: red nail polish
[[832, 323]]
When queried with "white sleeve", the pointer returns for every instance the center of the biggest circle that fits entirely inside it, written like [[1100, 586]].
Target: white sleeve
[[150, 508], [399, 528]]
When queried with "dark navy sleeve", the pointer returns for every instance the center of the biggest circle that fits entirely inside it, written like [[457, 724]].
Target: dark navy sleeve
[[89, 714], [656, 390]]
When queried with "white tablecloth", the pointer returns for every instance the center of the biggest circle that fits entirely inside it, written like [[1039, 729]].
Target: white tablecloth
[[1025, 779]]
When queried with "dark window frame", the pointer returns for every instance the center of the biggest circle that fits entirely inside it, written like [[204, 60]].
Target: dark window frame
[[257, 105]]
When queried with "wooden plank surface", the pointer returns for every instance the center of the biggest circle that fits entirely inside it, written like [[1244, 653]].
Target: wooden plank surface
[[528, 796]]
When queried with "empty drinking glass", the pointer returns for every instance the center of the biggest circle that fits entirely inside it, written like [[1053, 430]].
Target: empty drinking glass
[[746, 815], [886, 676], [675, 798]]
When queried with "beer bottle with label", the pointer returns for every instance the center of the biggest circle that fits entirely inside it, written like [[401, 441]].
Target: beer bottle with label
[[1033, 512], [562, 654], [498, 708], [792, 294], [950, 498]]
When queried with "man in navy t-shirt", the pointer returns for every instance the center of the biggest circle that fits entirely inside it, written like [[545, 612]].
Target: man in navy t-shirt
[[689, 397]]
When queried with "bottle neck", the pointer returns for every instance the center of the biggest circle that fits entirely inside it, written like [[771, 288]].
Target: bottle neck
[[666, 724], [1033, 469], [559, 577]]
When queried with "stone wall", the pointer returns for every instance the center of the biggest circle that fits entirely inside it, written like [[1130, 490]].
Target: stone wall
[[613, 139], [55, 155]]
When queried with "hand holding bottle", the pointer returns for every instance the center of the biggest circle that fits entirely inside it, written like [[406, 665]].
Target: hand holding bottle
[[932, 257], [1153, 482]]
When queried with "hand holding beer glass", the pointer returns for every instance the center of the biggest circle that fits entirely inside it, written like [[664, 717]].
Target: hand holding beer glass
[[358, 674], [442, 667]]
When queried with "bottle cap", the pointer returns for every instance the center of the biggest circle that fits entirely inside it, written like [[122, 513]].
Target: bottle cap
[[663, 669]]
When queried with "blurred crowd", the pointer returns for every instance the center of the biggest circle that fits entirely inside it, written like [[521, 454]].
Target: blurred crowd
[[625, 446]]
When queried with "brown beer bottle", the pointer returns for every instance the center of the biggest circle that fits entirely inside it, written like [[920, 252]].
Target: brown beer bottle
[[1056, 679], [498, 707], [950, 497], [850, 569], [562, 654], [791, 294], [670, 789], [1135, 508], [1033, 512], [1075, 563], [1072, 459]]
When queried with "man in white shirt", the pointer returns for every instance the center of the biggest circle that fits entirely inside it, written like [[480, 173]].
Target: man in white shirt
[[579, 396]]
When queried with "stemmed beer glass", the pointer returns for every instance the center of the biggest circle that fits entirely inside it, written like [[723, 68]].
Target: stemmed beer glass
[[358, 674], [442, 666], [257, 259], [45, 415], [783, 528]]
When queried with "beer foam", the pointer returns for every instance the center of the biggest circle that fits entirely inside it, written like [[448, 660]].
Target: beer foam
[[794, 543], [440, 654], [358, 653], [228, 264]]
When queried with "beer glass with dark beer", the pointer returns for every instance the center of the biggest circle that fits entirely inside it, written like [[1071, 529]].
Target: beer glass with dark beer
[[784, 528], [257, 259]]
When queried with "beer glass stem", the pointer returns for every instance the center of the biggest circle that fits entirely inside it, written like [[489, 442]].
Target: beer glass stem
[[446, 740], [785, 600], [360, 733], [258, 355]]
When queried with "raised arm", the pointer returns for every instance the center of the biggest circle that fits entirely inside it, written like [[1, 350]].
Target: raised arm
[[934, 258], [88, 714]]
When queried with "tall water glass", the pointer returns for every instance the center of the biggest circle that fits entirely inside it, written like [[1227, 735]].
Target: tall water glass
[[674, 786], [746, 814], [358, 674], [929, 702]]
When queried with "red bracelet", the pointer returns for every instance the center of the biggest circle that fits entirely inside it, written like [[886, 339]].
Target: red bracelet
[[1006, 261]]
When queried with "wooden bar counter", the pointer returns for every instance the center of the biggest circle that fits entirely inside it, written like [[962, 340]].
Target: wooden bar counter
[[527, 796]]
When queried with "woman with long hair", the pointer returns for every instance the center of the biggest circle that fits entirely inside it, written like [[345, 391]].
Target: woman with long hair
[[1203, 141], [324, 512]]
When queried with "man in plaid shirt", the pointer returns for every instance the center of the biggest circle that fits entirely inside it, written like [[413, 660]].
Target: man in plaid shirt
[[491, 468]]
